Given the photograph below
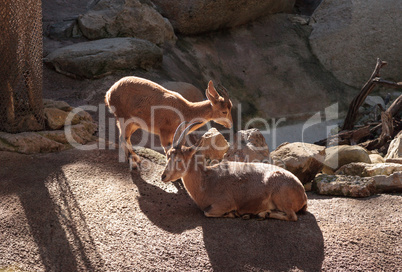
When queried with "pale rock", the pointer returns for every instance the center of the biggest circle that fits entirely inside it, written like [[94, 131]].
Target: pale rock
[[214, 145], [376, 158], [391, 183], [337, 156], [395, 147], [374, 101], [369, 170], [337, 185], [61, 105], [248, 146], [302, 159]]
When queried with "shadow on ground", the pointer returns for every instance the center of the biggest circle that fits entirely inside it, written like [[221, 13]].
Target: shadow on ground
[[235, 244]]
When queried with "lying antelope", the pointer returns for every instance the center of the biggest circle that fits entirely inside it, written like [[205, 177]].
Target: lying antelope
[[140, 103], [234, 189]]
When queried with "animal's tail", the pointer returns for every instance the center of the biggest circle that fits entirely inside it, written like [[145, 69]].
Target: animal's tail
[[107, 102]]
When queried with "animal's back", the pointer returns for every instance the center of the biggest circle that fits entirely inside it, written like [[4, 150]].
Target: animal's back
[[134, 96]]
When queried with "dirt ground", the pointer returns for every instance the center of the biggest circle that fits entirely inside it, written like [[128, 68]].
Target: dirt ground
[[85, 211]]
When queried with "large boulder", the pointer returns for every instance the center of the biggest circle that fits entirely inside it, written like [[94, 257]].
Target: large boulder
[[126, 18], [248, 146], [187, 90], [197, 16], [302, 159], [337, 156], [395, 148], [348, 36], [98, 58], [271, 54]]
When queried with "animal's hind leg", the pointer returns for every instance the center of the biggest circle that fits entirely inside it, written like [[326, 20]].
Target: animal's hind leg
[[129, 130], [287, 216]]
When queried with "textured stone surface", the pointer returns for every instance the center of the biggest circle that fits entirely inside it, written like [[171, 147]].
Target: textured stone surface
[[369, 170], [337, 156], [376, 158], [130, 18], [101, 57], [395, 148], [192, 17], [348, 36], [214, 145], [337, 185], [248, 146], [302, 159]]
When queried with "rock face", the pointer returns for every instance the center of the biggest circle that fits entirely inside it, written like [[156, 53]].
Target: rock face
[[302, 159], [129, 18], [255, 61], [214, 146], [197, 16], [337, 156], [101, 57], [369, 170], [187, 90], [249, 146], [395, 148], [349, 35]]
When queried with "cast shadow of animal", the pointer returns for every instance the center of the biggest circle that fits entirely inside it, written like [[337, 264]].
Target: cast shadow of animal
[[236, 244]]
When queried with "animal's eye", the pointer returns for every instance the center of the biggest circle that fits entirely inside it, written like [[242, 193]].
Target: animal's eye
[[178, 160], [224, 112]]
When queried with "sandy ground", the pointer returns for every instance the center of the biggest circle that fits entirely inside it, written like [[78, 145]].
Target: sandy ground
[[85, 211]]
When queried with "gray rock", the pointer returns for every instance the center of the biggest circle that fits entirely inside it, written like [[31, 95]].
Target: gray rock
[[395, 148], [193, 17], [374, 101], [62, 30], [248, 146], [337, 156], [98, 58], [255, 61], [130, 18], [349, 35], [28, 143], [302, 159]]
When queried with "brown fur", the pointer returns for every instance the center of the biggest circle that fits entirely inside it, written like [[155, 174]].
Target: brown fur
[[133, 97], [233, 189]]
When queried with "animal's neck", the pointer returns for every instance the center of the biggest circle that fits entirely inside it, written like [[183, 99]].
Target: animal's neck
[[202, 110], [194, 179]]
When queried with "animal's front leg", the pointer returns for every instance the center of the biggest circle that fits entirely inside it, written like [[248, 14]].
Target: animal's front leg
[[215, 210]]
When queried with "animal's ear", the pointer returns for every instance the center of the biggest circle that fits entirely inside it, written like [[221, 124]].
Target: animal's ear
[[211, 93]]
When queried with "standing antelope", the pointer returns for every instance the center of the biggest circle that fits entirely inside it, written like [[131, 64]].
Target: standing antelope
[[140, 103], [231, 189]]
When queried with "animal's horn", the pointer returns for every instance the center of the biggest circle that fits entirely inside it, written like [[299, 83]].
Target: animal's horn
[[180, 141], [223, 91], [177, 133]]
